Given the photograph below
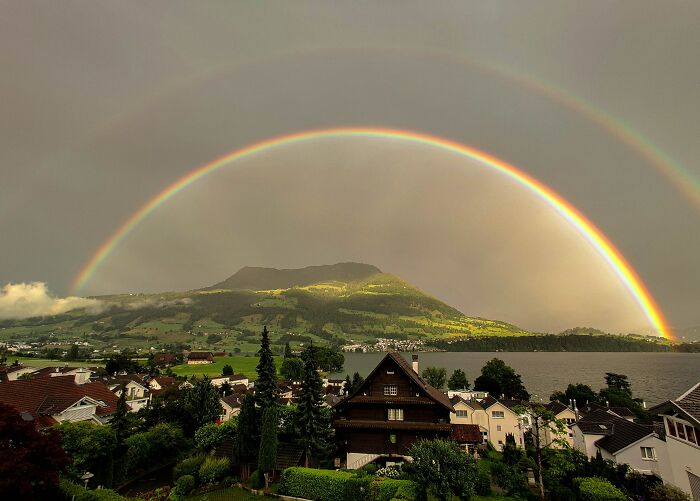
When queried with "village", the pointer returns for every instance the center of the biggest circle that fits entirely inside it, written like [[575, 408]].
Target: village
[[305, 435]]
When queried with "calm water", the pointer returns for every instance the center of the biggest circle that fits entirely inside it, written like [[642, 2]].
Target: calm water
[[655, 377]]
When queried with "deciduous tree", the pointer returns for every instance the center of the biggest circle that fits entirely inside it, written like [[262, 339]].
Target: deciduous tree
[[442, 469], [458, 381], [435, 376], [30, 461]]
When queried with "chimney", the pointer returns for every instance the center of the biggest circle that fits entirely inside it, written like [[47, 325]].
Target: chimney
[[415, 363], [81, 376]]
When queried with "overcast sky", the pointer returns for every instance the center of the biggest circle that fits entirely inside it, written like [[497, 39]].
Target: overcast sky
[[103, 104]]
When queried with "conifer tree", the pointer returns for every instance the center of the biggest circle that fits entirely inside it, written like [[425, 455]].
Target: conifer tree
[[266, 390], [357, 381], [310, 421], [247, 443], [287, 351], [267, 457], [120, 419]]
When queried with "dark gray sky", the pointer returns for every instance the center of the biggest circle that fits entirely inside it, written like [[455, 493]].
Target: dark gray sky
[[105, 103]]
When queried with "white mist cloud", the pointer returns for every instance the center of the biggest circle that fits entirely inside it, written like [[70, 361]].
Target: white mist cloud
[[25, 300]]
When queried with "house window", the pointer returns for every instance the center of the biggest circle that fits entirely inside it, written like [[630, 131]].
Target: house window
[[461, 413], [681, 431], [395, 415], [570, 421], [391, 389], [671, 427], [690, 433], [497, 414], [389, 371], [498, 427], [648, 453]]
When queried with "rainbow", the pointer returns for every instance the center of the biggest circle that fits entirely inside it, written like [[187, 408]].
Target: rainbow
[[586, 228]]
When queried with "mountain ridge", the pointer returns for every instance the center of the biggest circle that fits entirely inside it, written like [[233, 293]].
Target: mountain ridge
[[264, 278]]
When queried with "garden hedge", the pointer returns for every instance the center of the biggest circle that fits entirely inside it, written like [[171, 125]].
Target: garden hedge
[[318, 485], [385, 489]]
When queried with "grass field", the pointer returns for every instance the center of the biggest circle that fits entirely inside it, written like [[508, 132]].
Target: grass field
[[240, 364], [42, 362]]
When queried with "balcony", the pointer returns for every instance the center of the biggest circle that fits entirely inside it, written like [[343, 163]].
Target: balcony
[[367, 424]]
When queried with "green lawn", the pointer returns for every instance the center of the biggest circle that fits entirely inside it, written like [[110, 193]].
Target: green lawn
[[42, 362], [230, 494], [240, 364]]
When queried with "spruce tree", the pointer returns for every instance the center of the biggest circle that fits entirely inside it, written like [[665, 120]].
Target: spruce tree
[[287, 351], [120, 419], [357, 381], [266, 390], [310, 421], [267, 457], [247, 443]]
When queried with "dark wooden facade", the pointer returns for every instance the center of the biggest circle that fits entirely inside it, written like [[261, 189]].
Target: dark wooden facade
[[393, 408]]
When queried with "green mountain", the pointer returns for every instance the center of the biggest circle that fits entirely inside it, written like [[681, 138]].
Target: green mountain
[[259, 279], [343, 303]]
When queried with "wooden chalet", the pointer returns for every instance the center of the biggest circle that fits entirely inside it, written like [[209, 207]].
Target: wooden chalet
[[392, 409]]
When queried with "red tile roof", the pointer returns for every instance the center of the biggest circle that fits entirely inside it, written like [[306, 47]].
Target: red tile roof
[[45, 397]]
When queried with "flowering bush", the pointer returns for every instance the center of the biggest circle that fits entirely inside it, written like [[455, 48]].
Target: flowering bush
[[389, 472]]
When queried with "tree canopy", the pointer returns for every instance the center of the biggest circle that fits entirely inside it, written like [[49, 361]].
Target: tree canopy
[[497, 375], [458, 381], [30, 461], [435, 376]]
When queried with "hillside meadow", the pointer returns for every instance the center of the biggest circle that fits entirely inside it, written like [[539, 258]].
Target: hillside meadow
[[241, 365]]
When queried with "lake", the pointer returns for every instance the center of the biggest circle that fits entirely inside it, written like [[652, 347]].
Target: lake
[[655, 377]]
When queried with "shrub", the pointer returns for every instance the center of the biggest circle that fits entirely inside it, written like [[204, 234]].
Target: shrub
[[597, 489], [667, 492], [154, 446], [72, 490], [358, 487], [483, 483], [213, 470], [389, 472], [189, 466], [406, 491], [369, 469], [319, 485], [257, 480], [185, 484], [384, 489]]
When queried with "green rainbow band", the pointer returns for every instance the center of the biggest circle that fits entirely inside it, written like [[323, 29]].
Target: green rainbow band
[[586, 228]]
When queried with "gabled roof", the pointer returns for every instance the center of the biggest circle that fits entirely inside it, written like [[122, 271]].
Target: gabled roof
[[623, 434], [509, 404], [232, 401], [44, 397], [688, 404], [432, 393], [194, 355], [556, 407], [474, 404]]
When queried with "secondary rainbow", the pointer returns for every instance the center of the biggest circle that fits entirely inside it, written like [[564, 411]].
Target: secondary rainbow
[[586, 228]]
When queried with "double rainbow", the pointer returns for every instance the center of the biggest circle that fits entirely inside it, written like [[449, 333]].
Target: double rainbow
[[586, 228]]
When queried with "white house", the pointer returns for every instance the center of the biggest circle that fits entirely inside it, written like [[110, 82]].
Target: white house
[[682, 425]]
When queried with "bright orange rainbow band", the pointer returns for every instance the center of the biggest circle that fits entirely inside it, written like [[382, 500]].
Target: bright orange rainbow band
[[590, 232]]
